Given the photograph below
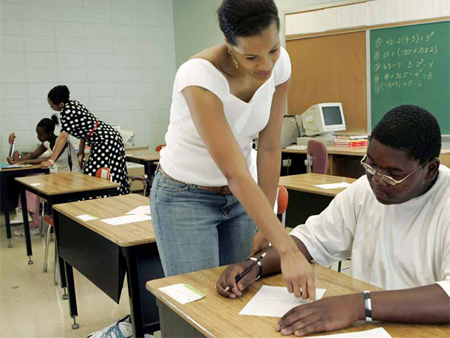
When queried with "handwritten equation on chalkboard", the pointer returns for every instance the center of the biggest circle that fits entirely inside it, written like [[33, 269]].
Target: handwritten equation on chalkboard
[[404, 61]]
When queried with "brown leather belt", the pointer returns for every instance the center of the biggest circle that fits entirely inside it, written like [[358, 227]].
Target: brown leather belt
[[223, 190]]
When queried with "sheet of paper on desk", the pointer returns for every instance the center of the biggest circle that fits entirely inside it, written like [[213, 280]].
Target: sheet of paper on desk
[[183, 293], [127, 219], [274, 301], [12, 166], [87, 217], [374, 333], [142, 210], [35, 184], [333, 185]]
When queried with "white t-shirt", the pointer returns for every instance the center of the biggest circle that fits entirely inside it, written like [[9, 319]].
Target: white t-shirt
[[62, 163], [391, 246], [185, 156]]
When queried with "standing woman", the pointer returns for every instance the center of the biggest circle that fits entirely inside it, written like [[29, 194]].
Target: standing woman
[[107, 149], [205, 202]]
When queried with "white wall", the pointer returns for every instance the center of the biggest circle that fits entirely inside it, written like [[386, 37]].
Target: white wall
[[116, 56], [197, 28]]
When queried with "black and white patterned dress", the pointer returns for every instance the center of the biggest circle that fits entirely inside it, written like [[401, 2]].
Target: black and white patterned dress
[[107, 149]]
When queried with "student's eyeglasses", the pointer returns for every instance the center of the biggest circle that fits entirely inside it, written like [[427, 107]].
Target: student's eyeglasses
[[386, 178]]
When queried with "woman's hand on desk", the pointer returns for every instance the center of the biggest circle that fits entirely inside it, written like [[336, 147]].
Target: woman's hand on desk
[[298, 274], [227, 286], [46, 164], [331, 313]]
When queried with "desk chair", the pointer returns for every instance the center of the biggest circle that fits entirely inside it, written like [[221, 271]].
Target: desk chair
[[282, 200], [316, 158], [12, 147]]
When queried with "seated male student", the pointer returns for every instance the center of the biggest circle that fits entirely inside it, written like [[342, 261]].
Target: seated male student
[[395, 225]]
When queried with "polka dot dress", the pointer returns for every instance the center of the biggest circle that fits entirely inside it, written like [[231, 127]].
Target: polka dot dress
[[107, 149]]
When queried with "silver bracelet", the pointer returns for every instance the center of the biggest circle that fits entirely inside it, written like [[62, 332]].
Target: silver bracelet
[[259, 265], [368, 306]]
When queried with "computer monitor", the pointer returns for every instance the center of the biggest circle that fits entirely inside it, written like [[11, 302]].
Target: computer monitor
[[323, 118]]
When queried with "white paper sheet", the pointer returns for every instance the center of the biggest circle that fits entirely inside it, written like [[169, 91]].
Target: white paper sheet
[[333, 185], [35, 184], [127, 219], [274, 301], [183, 293], [374, 333], [142, 210], [87, 217]]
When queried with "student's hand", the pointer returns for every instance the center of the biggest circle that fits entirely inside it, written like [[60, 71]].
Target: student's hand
[[298, 274], [46, 164], [11, 160], [327, 314], [228, 276], [260, 243]]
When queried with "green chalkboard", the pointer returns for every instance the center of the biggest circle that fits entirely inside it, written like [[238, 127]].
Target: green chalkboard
[[411, 65]]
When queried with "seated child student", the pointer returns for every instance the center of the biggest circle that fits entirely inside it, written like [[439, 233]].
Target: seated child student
[[45, 133], [394, 223]]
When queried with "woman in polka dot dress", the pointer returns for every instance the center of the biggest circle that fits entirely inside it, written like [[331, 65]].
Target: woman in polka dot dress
[[107, 149]]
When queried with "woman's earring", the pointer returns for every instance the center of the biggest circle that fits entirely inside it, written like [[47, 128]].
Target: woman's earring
[[235, 63]]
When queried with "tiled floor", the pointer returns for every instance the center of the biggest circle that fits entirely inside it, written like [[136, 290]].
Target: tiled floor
[[32, 306]]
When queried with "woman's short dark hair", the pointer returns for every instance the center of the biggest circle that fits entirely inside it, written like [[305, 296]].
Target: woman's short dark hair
[[411, 129], [48, 125], [245, 18], [59, 94]]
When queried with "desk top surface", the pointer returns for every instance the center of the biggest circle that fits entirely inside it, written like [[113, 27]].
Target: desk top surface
[[207, 314], [143, 155], [125, 235], [349, 151], [29, 167], [307, 182], [65, 183]]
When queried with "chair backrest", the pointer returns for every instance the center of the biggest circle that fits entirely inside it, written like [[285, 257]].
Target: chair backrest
[[158, 148], [318, 151], [283, 199], [12, 144], [103, 173]]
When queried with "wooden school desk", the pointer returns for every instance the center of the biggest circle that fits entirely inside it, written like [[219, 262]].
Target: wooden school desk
[[216, 316], [146, 158], [305, 199], [8, 186], [103, 253], [60, 188], [343, 161]]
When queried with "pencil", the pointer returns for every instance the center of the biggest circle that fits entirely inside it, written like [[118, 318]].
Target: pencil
[[247, 270]]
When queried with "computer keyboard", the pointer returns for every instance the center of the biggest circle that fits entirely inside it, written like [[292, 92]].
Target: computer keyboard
[[296, 147]]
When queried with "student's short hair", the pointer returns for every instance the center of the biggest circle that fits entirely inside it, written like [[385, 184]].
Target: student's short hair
[[59, 94], [48, 125], [246, 18], [411, 129]]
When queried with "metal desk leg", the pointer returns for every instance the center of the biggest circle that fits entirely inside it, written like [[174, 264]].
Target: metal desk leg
[[134, 293], [26, 224], [7, 221], [62, 272], [143, 264], [72, 296]]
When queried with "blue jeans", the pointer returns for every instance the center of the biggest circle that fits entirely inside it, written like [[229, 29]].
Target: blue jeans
[[197, 229]]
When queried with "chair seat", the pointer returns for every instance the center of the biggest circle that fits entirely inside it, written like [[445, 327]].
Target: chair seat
[[49, 219]]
